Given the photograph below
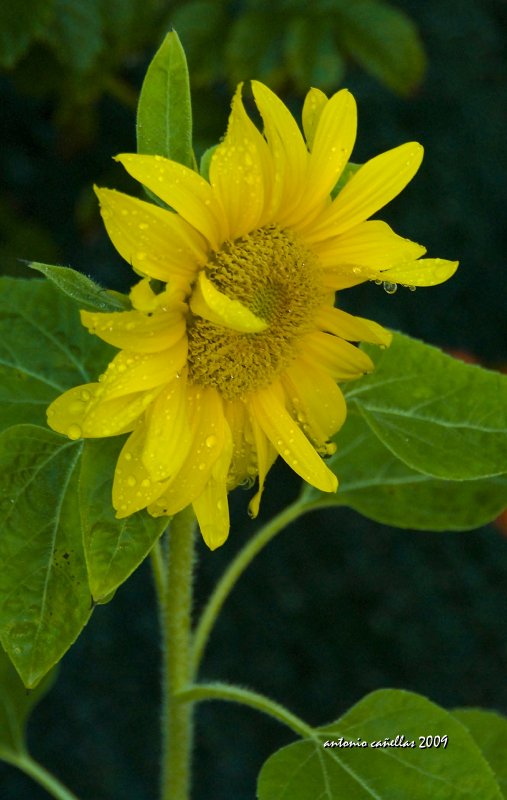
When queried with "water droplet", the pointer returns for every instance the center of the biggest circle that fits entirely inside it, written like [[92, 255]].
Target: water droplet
[[412, 288], [85, 395], [202, 466], [131, 481], [128, 456], [390, 288], [74, 432], [211, 441], [76, 408], [146, 483]]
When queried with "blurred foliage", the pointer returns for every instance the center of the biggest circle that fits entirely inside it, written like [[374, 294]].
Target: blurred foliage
[[423, 611]]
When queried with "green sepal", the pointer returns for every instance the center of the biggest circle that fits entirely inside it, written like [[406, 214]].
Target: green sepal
[[44, 597], [308, 769], [114, 548], [44, 350], [438, 415], [82, 290], [16, 704], [164, 113], [205, 161]]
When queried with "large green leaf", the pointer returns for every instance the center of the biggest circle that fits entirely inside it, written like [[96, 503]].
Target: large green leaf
[[490, 733], [381, 487], [388, 767], [383, 40], [440, 416], [15, 707], [44, 349], [82, 290], [44, 596], [114, 548], [164, 113], [20, 23]]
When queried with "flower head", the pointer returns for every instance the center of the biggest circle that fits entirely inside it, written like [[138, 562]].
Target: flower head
[[236, 360]]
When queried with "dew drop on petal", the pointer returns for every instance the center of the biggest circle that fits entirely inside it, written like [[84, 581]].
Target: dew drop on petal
[[131, 481], [74, 432], [211, 441], [390, 288]]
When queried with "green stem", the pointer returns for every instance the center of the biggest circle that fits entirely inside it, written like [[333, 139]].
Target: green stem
[[234, 571], [41, 776], [159, 570], [236, 694], [176, 609]]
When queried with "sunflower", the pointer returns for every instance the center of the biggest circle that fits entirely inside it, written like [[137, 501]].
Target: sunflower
[[233, 348]]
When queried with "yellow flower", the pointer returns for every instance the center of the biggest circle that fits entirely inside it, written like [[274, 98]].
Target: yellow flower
[[237, 359]]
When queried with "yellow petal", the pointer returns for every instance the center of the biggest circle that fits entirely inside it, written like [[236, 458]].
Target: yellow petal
[[118, 415], [425, 272], [334, 140], [154, 241], [289, 441], [244, 463], [132, 372], [168, 435], [266, 456], [207, 302], [288, 149], [132, 330], [238, 172], [317, 402], [370, 244], [313, 106], [211, 506], [133, 487], [351, 328], [182, 189], [341, 359], [370, 188], [66, 413], [208, 425]]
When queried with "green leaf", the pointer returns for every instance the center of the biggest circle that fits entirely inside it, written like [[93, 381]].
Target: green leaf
[[490, 733], [308, 769], [164, 114], [383, 40], [16, 704], [44, 349], [44, 596], [440, 416], [76, 34], [82, 290], [114, 548], [381, 487], [20, 24], [312, 55]]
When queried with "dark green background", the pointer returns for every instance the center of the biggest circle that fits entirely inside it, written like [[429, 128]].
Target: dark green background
[[336, 606]]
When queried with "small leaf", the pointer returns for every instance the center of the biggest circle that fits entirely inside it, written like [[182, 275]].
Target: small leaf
[[114, 548], [440, 416], [388, 765], [20, 24], [383, 40], [489, 730], [44, 594], [16, 704], [381, 487], [164, 114], [82, 290], [44, 349]]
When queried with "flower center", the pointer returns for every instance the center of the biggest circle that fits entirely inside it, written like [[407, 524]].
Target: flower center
[[276, 282]]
